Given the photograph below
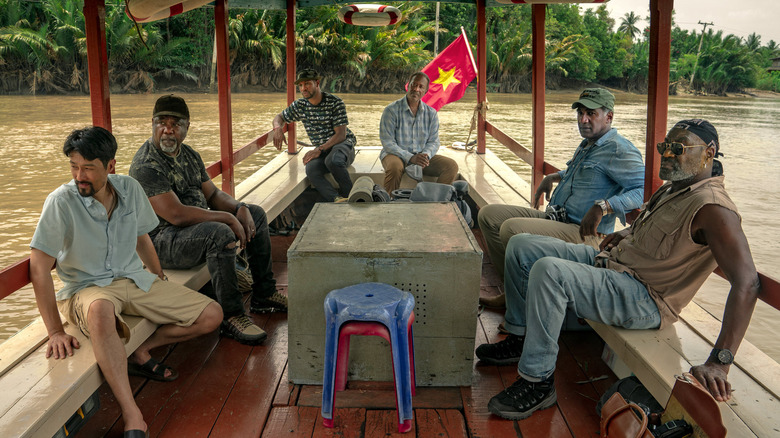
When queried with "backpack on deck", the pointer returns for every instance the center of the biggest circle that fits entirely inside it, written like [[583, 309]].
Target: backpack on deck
[[435, 192]]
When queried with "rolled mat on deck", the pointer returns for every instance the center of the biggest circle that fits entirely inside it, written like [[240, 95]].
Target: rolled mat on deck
[[362, 190]]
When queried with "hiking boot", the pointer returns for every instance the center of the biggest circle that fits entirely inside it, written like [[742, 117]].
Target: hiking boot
[[506, 352], [275, 303], [521, 399], [242, 329], [498, 301]]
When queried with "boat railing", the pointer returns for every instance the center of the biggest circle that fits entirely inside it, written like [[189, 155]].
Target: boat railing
[[17, 275]]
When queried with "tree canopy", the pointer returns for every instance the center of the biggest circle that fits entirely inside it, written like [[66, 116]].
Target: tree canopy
[[43, 49]]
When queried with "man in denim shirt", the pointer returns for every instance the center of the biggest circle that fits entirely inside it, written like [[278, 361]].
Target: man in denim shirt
[[603, 180]]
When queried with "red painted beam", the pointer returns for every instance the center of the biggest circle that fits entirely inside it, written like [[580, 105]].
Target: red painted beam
[[537, 94], [14, 277], [225, 112], [657, 89], [214, 169], [292, 146], [481, 74], [97, 59]]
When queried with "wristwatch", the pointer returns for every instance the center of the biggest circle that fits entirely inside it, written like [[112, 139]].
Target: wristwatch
[[603, 204], [240, 204], [722, 356]]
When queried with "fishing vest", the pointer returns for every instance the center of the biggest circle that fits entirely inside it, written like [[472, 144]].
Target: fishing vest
[[660, 251]]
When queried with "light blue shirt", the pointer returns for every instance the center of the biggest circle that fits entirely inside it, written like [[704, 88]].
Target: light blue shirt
[[90, 249], [404, 134], [610, 169]]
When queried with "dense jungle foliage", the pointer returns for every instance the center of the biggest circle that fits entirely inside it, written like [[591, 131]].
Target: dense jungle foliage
[[43, 49]]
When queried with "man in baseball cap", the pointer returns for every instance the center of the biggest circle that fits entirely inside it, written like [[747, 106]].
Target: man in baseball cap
[[603, 181], [201, 224], [325, 118]]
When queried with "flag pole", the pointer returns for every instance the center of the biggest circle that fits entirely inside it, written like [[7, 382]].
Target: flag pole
[[468, 46]]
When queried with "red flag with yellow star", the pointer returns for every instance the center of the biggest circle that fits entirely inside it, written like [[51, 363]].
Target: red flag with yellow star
[[451, 72]]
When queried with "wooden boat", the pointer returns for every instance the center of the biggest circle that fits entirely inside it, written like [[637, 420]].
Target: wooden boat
[[229, 389]]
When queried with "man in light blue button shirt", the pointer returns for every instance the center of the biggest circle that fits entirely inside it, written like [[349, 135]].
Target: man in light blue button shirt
[[409, 132], [602, 182], [95, 229]]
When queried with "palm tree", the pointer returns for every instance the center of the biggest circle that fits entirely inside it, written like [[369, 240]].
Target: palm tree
[[628, 24]]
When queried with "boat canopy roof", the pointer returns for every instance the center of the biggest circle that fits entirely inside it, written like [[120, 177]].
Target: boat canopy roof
[[282, 4]]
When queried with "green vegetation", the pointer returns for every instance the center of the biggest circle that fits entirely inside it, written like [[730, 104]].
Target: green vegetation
[[43, 49]]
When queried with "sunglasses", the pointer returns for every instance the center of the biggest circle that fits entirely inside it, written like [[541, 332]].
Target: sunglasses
[[676, 148]]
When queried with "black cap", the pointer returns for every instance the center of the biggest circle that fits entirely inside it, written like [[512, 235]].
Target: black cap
[[171, 105]]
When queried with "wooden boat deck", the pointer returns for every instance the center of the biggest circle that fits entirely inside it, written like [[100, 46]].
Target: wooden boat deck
[[226, 389]]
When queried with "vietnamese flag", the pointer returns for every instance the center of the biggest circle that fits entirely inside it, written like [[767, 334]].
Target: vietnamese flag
[[451, 72]]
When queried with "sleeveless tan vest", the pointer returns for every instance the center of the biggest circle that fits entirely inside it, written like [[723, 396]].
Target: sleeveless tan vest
[[660, 251]]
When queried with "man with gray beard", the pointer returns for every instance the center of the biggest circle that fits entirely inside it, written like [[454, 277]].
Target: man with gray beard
[[641, 278], [200, 223]]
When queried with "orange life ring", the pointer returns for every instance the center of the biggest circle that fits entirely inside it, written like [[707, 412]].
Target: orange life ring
[[369, 15], [144, 11], [546, 2]]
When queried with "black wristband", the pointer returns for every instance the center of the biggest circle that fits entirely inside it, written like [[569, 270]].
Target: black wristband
[[241, 204]]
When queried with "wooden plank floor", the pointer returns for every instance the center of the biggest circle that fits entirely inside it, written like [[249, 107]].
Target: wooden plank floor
[[226, 389]]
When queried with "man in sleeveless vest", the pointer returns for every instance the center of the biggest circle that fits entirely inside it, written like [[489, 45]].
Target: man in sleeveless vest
[[641, 279], [602, 182]]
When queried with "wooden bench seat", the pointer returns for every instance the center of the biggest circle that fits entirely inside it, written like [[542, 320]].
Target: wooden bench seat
[[657, 356]]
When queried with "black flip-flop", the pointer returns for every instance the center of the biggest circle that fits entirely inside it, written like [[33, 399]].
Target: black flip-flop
[[152, 370], [136, 433]]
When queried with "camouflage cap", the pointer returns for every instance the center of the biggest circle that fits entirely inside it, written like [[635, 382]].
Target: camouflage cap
[[593, 98], [307, 74]]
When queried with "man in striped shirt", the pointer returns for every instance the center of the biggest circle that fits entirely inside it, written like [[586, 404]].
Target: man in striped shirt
[[325, 118], [409, 132]]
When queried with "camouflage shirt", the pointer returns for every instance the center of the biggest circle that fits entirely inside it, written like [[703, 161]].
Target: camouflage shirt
[[319, 120], [160, 173]]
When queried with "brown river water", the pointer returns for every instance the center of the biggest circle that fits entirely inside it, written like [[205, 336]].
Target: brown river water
[[34, 128]]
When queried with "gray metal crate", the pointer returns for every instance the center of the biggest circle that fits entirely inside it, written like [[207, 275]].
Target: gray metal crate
[[424, 248]]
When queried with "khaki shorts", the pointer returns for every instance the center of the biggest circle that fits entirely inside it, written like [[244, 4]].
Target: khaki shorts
[[165, 303]]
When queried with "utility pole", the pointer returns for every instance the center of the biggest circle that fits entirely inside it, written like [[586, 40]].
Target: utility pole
[[436, 34], [701, 40]]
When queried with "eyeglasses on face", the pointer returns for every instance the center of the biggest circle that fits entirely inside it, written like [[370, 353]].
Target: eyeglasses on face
[[677, 148]]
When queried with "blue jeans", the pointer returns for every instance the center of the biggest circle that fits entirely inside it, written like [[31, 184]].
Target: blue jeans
[[335, 160], [544, 276], [187, 247]]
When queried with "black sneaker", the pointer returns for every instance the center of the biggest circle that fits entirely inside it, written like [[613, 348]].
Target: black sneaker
[[242, 329], [506, 352], [523, 398], [275, 303]]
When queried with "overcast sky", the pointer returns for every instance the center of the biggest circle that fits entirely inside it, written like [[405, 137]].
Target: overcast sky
[[740, 17]]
